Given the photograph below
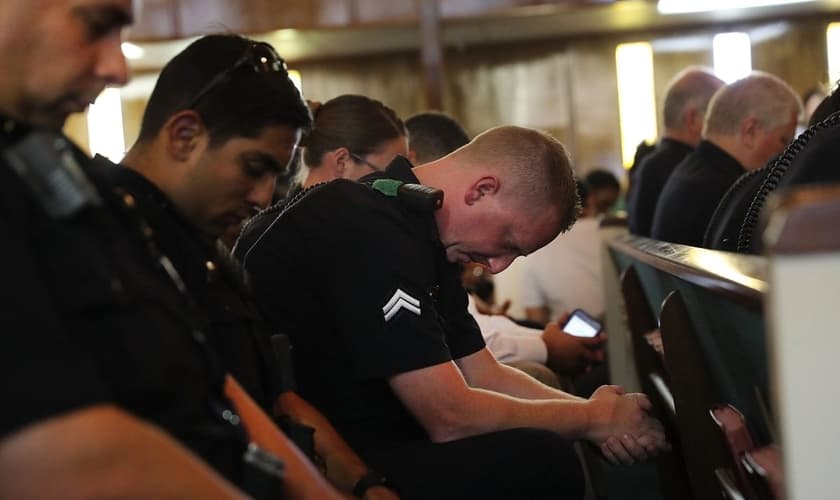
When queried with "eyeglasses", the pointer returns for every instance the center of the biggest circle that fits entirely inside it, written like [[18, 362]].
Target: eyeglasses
[[359, 159], [260, 56]]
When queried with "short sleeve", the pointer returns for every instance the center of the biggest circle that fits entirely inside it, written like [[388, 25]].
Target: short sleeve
[[385, 294]]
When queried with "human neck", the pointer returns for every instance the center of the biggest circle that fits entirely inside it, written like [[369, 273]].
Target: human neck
[[317, 175], [682, 136], [731, 144], [148, 161]]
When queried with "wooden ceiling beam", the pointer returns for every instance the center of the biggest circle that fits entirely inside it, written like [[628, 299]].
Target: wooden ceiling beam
[[171, 19]]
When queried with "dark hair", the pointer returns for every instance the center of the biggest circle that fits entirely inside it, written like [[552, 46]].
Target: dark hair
[[601, 179], [356, 122], [582, 189], [433, 135], [242, 105]]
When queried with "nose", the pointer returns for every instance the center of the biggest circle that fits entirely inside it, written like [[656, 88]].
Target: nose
[[499, 264], [262, 192], [111, 65]]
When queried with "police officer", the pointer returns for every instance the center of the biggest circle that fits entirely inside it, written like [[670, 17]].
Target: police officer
[[223, 120], [107, 375], [380, 306]]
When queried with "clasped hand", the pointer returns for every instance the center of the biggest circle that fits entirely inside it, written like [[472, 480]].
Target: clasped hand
[[622, 428]]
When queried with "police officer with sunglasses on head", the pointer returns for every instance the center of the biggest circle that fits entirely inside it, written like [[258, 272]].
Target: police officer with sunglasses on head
[[223, 121]]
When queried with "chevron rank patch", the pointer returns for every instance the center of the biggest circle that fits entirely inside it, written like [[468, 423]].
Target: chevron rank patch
[[400, 300]]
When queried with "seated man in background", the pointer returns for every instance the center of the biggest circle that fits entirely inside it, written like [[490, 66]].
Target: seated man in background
[[207, 155], [112, 389], [812, 161], [748, 122], [736, 216], [686, 100], [412, 386]]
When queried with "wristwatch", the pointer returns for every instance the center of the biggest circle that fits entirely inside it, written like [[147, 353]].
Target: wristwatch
[[369, 480]]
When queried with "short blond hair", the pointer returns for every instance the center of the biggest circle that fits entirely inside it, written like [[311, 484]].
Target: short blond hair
[[534, 164]]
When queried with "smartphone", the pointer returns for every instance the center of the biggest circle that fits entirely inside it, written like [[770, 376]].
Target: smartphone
[[581, 324]]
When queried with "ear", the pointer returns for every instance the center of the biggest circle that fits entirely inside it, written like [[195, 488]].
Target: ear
[[749, 130], [183, 132], [342, 160], [487, 185], [693, 120]]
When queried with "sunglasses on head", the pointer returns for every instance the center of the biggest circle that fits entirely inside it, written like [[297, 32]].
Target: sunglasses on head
[[259, 56]]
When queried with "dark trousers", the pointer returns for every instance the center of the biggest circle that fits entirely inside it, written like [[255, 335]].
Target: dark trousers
[[517, 464]]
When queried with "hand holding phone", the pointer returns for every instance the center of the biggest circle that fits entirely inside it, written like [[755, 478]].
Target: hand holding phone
[[581, 324]]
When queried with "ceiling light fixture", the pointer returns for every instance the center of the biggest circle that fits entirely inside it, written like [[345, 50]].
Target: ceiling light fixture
[[685, 6]]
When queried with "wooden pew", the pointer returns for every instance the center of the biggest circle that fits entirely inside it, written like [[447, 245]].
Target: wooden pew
[[711, 308], [645, 337], [712, 324], [695, 392]]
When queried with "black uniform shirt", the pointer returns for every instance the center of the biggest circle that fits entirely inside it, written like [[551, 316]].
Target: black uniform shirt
[[361, 284], [235, 329], [692, 193], [653, 173], [90, 317]]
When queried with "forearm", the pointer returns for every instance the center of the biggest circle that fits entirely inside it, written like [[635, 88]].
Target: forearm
[[344, 466], [509, 380], [301, 479], [448, 408], [481, 411], [102, 452], [608, 418], [482, 371]]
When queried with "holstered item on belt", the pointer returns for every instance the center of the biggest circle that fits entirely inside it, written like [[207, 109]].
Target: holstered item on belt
[[262, 475]]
